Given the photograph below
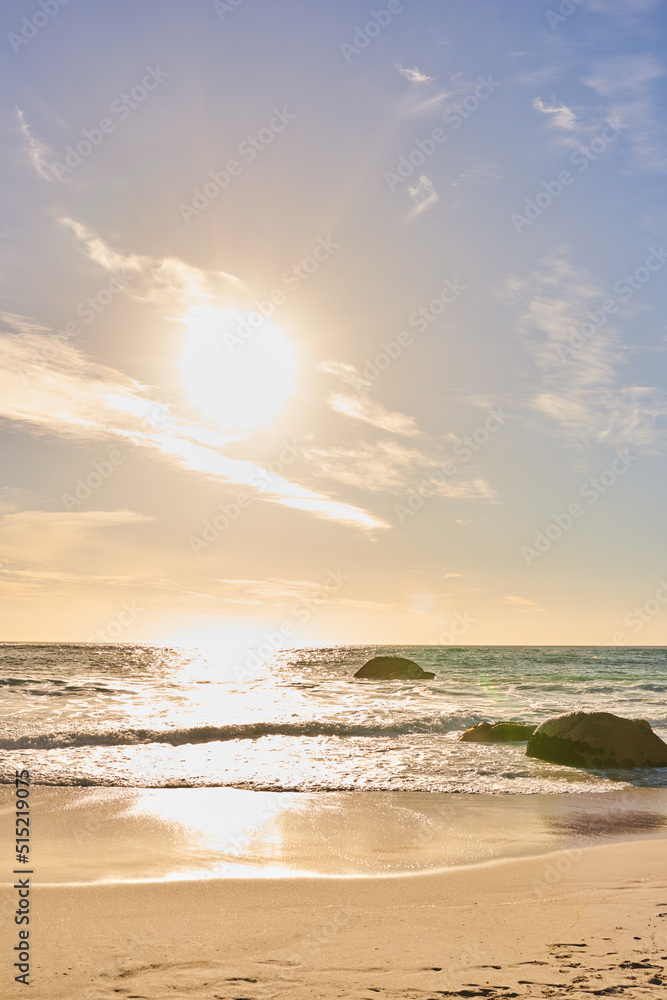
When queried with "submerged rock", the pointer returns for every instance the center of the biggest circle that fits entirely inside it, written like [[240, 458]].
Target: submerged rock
[[394, 668], [498, 732], [599, 740]]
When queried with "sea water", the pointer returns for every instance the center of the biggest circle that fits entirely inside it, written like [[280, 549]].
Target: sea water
[[157, 717]]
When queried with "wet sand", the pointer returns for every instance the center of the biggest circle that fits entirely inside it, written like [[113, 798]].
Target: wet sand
[[578, 908]]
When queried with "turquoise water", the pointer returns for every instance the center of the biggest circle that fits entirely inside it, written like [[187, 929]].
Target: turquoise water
[[152, 716]]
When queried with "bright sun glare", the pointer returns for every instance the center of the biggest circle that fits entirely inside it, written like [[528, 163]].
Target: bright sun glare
[[238, 372]]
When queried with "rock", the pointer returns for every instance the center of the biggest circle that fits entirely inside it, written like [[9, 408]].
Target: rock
[[498, 732], [394, 668], [599, 740]]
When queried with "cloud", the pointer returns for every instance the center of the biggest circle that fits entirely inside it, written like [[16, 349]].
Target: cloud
[[346, 373], [522, 604], [52, 388], [423, 194], [164, 281], [477, 173], [564, 117], [570, 125], [624, 74], [37, 544], [385, 465], [391, 467], [536, 78], [14, 498], [414, 75], [576, 378], [37, 151], [419, 102], [362, 408], [276, 592], [628, 82]]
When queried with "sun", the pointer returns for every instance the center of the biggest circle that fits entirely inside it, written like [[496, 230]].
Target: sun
[[237, 368]]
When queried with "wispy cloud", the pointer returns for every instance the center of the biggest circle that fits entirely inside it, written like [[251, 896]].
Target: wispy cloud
[[13, 498], [580, 390], [522, 603], [414, 75], [624, 74], [274, 591], [423, 100], [423, 194], [52, 388], [569, 126], [362, 408], [164, 281], [47, 551], [346, 373], [37, 151], [385, 465], [392, 467], [628, 83], [480, 172]]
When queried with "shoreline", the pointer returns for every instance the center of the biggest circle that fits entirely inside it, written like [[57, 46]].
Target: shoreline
[[102, 835]]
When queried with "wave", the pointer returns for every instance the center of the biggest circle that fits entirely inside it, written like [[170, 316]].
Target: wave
[[438, 725], [24, 681], [63, 689]]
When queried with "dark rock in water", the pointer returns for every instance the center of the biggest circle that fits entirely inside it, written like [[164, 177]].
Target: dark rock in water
[[394, 668], [498, 732], [599, 740]]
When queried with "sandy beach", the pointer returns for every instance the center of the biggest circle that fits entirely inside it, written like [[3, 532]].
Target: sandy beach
[[576, 922]]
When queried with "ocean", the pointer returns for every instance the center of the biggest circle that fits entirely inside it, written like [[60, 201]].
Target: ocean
[[163, 717]]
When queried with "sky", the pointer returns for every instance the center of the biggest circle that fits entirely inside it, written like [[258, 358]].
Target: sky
[[333, 323]]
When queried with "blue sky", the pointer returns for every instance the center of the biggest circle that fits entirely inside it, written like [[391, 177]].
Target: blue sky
[[299, 293]]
